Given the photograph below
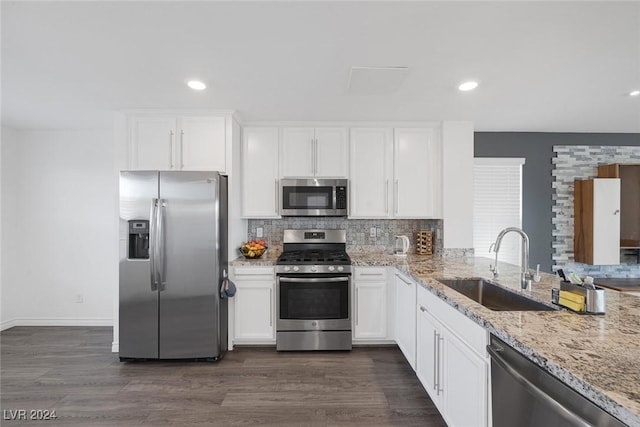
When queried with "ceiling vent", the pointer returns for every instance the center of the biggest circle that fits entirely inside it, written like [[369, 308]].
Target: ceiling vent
[[376, 80]]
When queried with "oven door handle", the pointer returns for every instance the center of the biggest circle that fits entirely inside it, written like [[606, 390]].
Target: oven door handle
[[314, 280]]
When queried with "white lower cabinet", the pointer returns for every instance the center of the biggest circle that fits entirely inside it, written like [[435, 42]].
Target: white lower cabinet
[[371, 304], [253, 313], [406, 317], [451, 362]]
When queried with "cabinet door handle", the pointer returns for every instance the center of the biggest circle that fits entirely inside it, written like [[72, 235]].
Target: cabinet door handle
[[397, 198], [277, 197], [422, 309], [386, 197], [170, 149], [401, 278], [270, 307], [357, 313], [435, 360], [181, 147], [440, 386], [315, 172]]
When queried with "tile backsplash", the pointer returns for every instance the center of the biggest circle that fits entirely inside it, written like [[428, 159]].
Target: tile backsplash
[[358, 230]]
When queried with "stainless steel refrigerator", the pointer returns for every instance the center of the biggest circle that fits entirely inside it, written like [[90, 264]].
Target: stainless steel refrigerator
[[173, 257]]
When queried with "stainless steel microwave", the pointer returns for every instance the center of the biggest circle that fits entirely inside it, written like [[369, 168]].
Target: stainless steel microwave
[[313, 197]]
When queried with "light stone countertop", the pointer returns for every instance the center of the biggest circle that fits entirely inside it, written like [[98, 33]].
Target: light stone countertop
[[596, 355]]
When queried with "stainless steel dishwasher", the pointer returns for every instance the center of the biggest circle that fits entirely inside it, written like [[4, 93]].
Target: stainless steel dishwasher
[[523, 394]]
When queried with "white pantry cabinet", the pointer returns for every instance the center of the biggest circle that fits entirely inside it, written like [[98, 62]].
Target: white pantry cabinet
[[417, 173], [172, 142], [253, 305], [451, 362], [260, 172], [370, 172], [406, 317], [371, 303], [314, 152], [596, 238]]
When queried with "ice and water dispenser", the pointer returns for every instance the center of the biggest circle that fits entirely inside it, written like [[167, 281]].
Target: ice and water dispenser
[[139, 239]]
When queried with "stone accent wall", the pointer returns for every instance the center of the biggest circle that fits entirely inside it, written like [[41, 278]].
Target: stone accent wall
[[572, 162], [357, 230]]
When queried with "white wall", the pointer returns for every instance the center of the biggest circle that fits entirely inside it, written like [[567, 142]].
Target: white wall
[[64, 242], [8, 202], [457, 188]]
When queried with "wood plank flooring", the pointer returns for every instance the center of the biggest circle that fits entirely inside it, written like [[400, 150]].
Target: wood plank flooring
[[71, 370]]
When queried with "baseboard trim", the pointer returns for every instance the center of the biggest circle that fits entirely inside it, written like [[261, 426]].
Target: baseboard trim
[[57, 321], [7, 324]]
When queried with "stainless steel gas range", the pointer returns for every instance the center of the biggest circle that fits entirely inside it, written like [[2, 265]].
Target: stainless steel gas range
[[313, 291]]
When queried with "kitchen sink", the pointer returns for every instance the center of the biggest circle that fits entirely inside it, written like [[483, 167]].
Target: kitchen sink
[[493, 296]]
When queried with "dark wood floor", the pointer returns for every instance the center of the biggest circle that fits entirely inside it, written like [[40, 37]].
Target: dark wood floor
[[72, 371]]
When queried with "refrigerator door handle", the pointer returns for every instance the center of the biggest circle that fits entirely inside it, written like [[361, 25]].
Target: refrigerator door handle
[[160, 262], [152, 244]]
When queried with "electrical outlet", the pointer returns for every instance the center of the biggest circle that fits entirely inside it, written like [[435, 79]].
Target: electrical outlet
[[372, 232], [259, 232], [79, 298]]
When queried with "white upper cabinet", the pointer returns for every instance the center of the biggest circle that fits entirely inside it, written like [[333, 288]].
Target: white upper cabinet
[[314, 152], [202, 143], [395, 173], [297, 152], [152, 143], [370, 172], [332, 154], [417, 173], [260, 172], [170, 142]]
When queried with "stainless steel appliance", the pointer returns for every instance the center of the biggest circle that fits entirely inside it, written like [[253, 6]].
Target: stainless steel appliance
[[313, 291], [523, 394], [313, 197], [173, 256]]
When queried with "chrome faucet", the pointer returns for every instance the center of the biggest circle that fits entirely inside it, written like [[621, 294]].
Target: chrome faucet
[[525, 276]]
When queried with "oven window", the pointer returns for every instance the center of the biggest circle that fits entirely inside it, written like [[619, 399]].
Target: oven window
[[308, 197], [314, 301]]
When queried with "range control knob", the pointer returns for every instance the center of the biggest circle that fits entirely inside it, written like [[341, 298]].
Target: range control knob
[[340, 268], [331, 268], [314, 268], [287, 268], [296, 268]]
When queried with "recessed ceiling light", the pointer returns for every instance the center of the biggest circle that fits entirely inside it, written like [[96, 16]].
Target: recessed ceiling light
[[634, 93], [196, 85], [470, 85]]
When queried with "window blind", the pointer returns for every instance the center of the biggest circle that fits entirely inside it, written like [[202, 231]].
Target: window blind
[[497, 204]]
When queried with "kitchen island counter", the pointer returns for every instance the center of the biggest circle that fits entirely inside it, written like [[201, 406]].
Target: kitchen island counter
[[596, 355]]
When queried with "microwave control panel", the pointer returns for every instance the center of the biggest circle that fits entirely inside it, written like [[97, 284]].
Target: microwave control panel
[[341, 197]]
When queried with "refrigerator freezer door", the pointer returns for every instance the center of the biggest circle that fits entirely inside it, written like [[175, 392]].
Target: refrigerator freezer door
[[138, 299], [189, 297]]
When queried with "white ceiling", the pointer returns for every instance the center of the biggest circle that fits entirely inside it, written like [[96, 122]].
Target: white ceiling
[[542, 66]]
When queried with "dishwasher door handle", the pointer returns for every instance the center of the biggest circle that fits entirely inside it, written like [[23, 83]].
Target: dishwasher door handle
[[532, 388]]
